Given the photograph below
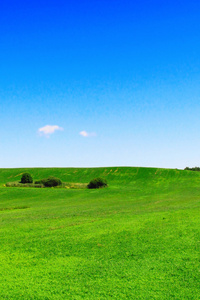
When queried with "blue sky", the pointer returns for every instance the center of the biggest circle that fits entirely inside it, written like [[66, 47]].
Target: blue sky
[[99, 83]]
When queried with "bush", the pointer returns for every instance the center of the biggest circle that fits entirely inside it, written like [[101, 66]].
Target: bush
[[50, 181], [26, 178], [97, 183], [38, 181]]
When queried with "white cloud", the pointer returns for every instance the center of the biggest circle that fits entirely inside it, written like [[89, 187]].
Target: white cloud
[[49, 129], [84, 133], [87, 134]]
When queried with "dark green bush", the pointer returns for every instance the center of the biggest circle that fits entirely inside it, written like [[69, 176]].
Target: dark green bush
[[26, 178], [51, 181], [97, 183]]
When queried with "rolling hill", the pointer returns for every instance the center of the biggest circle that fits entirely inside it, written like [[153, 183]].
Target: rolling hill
[[137, 239]]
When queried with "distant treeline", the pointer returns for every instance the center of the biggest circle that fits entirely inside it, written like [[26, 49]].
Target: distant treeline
[[192, 169]]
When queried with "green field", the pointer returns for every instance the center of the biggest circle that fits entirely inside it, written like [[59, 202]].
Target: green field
[[137, 239]]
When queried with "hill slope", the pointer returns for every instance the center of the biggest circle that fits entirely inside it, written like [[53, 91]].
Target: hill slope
[[136, 239]]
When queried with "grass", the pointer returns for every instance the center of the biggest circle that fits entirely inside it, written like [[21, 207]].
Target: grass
[[137, 239]]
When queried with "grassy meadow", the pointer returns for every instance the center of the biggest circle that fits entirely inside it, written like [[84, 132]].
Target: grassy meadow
[[137, 239]]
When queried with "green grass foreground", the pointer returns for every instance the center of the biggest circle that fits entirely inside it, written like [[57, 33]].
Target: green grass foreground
[[137, 239]]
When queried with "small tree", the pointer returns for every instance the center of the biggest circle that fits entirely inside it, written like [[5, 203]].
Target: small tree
[[26, 178], [97, 183]]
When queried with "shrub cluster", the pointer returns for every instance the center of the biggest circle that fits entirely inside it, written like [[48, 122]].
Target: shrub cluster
[[97, 183], [51, 181], [193, 169]]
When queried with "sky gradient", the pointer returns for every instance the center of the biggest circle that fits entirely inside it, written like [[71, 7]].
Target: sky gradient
[[99, 83]]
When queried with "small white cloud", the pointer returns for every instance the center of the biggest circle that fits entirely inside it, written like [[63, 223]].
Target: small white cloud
[[84, 133], [49, 129], [87, 134]]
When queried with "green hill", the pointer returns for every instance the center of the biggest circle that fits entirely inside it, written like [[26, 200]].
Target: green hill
[[136, 239], [114, 175]]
